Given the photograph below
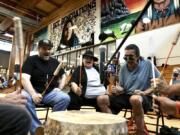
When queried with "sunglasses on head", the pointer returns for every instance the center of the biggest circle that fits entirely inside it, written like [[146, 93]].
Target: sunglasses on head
[[129, 57]]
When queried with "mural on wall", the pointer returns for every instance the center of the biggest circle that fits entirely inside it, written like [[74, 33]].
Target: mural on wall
[[161, 13], [124, 12], [75, 29]]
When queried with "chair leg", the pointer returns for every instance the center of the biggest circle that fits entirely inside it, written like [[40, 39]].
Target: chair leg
[[159, 115], [46, 114], [125, 113]]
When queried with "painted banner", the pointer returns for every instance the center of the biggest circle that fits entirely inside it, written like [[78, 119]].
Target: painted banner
[[118, 15], [77, 28], [160, 14]]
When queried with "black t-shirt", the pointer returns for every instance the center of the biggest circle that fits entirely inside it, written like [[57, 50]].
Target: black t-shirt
[[41, 72]]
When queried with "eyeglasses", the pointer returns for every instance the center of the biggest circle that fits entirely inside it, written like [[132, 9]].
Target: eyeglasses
[[129, 57]]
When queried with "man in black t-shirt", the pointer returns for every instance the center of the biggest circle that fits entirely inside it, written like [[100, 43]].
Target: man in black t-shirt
[[37, 73]]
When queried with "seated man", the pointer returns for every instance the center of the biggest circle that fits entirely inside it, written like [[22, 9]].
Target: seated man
[[37, 73], [134, 80], [15, 119], [85, 84]]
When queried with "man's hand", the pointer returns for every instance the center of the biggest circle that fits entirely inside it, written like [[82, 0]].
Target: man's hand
[[166, 105], [117, 90], [78, 91], [15, 98], [161, 86], [37, 98], [139, 92]]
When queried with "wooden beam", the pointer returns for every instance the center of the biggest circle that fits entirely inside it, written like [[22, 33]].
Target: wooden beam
[[11, 14], [37, 10], [53, 3], [67, 8], [5, 24], [19, 10], [28, 4]]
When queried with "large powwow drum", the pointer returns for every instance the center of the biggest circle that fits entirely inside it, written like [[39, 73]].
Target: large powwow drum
[[85, 123]]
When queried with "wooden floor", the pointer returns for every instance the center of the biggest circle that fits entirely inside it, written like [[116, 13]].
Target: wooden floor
[[149, 119]]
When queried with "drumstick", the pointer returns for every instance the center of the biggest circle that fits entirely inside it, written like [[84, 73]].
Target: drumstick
[[80, 64], [19, 42], [166, 60], [173, 44], [54, 74], [153, 72]]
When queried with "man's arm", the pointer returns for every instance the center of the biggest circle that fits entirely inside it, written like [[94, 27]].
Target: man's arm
[[29, 88], [173, 89], [62, 82], [75, 82], [164, 88], [27, 84], [76, 89]]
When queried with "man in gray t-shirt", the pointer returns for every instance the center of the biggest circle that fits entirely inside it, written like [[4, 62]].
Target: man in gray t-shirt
[[131, 92]]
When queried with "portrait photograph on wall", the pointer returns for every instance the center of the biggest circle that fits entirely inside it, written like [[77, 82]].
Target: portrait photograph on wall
[[75, 29], [118, 15]]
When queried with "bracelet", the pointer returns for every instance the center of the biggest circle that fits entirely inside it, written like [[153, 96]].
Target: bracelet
[[177, 107]]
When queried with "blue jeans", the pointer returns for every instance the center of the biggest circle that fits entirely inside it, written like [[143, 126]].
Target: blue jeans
[[57, 99]]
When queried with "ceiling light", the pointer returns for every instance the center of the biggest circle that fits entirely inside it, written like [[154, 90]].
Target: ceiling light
[[8, 35]]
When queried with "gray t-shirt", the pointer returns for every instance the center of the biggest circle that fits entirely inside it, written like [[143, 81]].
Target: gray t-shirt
[[139, 78]]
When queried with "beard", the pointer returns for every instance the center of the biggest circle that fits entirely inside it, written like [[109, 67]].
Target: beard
[[45, 58]]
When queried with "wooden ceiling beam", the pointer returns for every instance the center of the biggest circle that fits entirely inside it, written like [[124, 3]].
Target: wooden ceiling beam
[[19, 9], [37, 10], [5, 24], [67, 8], [11, 14], [53, 3], [28, 4]]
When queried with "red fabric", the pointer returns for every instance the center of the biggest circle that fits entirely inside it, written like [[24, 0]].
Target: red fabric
[[177, 107], [132, 127]]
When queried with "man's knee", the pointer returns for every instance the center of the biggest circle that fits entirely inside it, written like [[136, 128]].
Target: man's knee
[[62, 98], [66, 98], [136, 100], [103, 100]]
